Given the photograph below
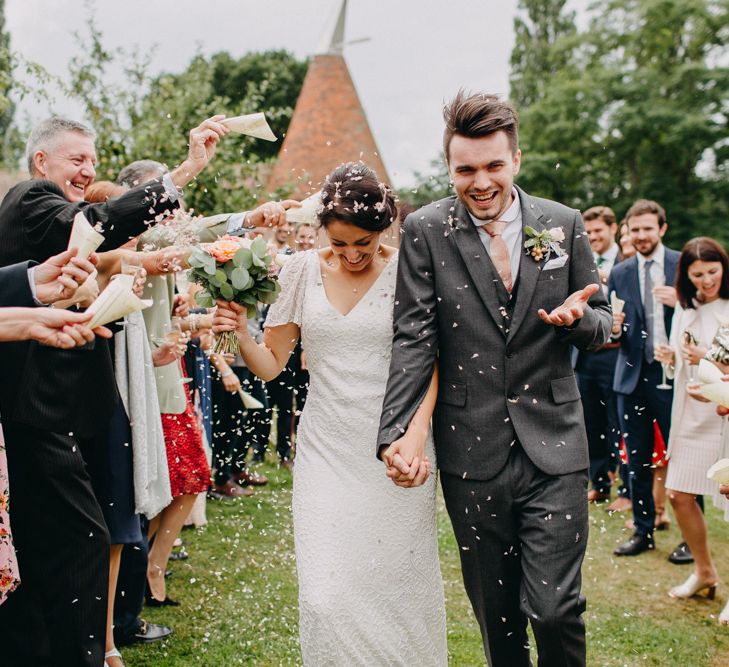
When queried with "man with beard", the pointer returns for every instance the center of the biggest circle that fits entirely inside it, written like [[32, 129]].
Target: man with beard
[[645, 283], [595, 370]]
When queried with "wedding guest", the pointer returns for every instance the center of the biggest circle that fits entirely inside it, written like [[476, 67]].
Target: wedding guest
[[282, 237], [188, 467], [627, 249], [126, 474], [595, 370], [45, 421], [644, 282], [160, 257], [20, 289], [228, 436], [702, 286], [304, 236]]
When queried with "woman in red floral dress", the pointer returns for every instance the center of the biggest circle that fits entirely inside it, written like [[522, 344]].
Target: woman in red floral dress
[[188, 467]]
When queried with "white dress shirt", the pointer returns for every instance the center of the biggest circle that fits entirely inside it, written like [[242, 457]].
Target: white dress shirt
[[511, 235], [658, 277]]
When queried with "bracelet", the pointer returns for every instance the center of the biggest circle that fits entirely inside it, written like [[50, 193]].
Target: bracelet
[[192, 322], [226, 374]]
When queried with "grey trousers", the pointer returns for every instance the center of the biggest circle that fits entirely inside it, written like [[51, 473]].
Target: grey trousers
[[522, 538]]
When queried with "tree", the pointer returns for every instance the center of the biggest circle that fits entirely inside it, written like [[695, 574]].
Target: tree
[[542, 48], [429, 187], [11, 147], [639, 109], [149, 117]]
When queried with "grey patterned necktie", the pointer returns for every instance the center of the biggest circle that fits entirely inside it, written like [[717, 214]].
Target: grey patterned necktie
[[648, 310]]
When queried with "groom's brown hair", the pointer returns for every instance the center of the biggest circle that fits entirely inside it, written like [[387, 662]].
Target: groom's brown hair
[[478, 115]]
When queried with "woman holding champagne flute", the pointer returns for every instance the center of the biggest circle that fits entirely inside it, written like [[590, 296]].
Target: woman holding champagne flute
[[702, 286]]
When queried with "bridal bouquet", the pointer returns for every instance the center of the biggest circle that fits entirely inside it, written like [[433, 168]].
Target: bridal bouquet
[[238, 270]]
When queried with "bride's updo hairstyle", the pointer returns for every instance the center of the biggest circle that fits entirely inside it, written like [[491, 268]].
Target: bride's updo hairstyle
[[352, 193]]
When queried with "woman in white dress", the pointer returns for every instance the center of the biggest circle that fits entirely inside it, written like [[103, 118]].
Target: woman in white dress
[[370, 588], [702, 287]]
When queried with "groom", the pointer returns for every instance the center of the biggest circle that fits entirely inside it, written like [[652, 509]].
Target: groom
[[499, 319]]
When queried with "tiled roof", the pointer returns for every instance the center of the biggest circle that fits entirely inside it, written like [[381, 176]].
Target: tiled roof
[[328, 127]]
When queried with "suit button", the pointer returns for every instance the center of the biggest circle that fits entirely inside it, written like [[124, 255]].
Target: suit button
[[509, 354], [513, 396]]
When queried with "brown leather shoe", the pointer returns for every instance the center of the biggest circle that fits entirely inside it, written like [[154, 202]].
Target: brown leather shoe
[[594, 496], [248, 478], [620, 504], [232, 490], [287, 464]]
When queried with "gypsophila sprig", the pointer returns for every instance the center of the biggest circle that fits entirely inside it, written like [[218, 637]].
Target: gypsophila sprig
[[539, 244], [238, 270]]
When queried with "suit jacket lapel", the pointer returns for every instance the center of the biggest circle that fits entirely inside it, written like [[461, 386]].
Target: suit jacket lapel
[[633, 294], [477, 261], [529, 269]]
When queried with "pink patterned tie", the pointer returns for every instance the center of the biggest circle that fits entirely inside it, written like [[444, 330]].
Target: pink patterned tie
[[499, 252]]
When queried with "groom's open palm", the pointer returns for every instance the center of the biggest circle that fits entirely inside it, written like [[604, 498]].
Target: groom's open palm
[[571, 310]]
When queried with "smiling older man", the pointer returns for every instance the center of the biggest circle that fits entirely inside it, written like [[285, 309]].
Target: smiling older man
[[52, 400]]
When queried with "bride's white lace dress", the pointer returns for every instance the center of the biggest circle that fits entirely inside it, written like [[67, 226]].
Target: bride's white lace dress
[[370, 588]]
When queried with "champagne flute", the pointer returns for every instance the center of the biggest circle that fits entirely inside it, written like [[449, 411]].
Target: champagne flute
[[660, 350], [179, 337]]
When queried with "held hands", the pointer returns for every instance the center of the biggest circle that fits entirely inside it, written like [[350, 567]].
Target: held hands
[[666, 295], [58, 278], [572, 310], [271, 214], [407, 464]]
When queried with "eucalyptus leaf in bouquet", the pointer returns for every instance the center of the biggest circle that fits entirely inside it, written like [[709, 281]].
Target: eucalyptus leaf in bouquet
[[238, 270]]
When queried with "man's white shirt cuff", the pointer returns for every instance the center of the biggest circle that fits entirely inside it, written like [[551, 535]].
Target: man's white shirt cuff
[[172, 191]]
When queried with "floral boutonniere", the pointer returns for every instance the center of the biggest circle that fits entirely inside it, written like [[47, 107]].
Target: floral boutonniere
[[539, 244]]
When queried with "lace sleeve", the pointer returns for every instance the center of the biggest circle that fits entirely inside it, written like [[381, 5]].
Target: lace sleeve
[[289, 305]]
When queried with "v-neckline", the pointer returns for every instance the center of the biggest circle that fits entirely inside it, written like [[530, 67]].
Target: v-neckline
[[364, 295]]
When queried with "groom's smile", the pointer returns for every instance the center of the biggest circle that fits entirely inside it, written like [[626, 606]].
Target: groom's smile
[[482, 170]]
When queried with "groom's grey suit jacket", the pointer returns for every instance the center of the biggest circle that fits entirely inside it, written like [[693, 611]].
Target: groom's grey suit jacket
[[500, 381]]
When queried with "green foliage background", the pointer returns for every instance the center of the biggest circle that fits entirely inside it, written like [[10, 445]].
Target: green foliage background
[[636, 105], [150, 116]]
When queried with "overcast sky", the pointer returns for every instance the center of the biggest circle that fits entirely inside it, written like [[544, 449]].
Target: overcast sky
[[420, 51]]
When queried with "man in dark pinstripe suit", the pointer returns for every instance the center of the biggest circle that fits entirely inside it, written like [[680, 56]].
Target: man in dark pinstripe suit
[[52, 399]]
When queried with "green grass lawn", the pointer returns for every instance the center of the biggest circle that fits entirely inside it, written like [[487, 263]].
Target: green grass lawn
[[238, 595]]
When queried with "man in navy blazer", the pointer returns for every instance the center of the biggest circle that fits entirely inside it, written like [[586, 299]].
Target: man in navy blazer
[[645, 283], [595, 370]]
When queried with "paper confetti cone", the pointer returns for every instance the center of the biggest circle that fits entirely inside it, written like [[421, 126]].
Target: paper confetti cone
[[252, 125], [84, 236]]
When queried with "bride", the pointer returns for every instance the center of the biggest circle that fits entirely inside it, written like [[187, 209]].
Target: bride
[[370, 588]]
